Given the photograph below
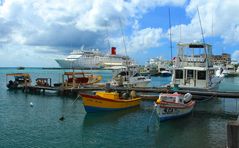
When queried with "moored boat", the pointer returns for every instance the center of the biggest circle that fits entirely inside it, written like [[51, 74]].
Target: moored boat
[[171, 106], [77, 79], [129, 76], [195, 71], [165, 73], [108, 101], [20, 80]]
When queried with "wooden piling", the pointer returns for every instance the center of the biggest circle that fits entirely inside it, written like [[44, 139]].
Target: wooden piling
[[233, 134]]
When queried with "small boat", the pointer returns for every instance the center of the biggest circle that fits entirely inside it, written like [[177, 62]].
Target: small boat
[[109, 101], [20, 68], [171, 106], [20, 80], [76, 79], [129, 76], [165, 73]]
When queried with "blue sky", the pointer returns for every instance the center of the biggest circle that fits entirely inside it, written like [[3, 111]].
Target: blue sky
[[41, 31]]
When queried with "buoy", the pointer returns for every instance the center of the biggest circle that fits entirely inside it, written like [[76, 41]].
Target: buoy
[[61, 118], [31, 104]]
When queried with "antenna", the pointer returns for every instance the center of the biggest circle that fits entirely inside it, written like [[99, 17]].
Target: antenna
[[170, 34]]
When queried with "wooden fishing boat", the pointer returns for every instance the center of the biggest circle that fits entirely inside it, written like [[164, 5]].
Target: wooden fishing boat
[[76, 79], [171, 106], [20, 80], [108, 101]]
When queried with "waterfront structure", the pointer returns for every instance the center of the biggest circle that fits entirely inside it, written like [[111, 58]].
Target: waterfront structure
[[94, 59], [195, 71], [225, 58]]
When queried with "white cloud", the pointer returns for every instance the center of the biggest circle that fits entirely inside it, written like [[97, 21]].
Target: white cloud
[[139, 41], [43, 19], [145, 39], [219, 18], [74, 23]]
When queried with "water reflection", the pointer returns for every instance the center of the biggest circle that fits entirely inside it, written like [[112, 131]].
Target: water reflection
[[103, 118]]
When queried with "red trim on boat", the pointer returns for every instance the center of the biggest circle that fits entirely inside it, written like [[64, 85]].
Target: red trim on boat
[[181, 106]]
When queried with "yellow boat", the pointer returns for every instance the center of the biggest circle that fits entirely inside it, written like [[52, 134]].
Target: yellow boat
[[108, 101]]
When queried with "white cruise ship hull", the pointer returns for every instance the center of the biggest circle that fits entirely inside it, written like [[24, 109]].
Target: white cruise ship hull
[[78, 63]]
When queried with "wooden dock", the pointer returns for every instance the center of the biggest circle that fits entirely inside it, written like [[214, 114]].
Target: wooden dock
[[149, 93]]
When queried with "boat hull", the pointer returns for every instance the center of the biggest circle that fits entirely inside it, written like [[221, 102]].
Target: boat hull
[[99, 104], [169, 111], [78, 64], [165, 75]]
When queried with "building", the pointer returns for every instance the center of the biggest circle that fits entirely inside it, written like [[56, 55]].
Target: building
[[225, 58]]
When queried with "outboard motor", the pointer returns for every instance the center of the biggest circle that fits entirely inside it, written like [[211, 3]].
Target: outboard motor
[[187, 97]]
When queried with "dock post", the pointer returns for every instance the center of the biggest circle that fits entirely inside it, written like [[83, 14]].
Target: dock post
[[43, 91], [233, 134]]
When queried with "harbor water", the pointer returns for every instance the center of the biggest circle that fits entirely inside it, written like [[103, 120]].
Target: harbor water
[[38, 125]]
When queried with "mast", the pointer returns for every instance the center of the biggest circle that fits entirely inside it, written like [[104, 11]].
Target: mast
[[127, 66]]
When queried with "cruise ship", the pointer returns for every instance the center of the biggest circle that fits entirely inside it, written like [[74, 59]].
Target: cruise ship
[[93, 59]]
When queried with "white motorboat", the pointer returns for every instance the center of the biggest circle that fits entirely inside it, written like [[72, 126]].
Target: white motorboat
[[129, 76], [165, 73], [195, 71], [230, 71]]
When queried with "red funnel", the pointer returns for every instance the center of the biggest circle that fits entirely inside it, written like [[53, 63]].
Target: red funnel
[[113, 50]]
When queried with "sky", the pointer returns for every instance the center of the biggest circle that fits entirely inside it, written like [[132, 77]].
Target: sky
[[35, 33]]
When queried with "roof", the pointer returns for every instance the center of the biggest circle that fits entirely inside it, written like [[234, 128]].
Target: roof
[[18, 74], [194, 45]]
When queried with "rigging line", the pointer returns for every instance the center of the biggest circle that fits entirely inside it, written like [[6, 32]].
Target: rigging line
[[123, 37], [127, 60], [205, 51], [107, 32], [170, 33], [201, 26]]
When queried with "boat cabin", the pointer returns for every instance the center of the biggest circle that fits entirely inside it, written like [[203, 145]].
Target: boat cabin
[[75, 79], [43, 82], [193, 67]]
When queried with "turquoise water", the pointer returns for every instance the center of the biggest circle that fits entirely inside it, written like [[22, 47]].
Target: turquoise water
[[39, 126]]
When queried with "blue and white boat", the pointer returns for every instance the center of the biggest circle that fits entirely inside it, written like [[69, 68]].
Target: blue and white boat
[[171, 106]]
